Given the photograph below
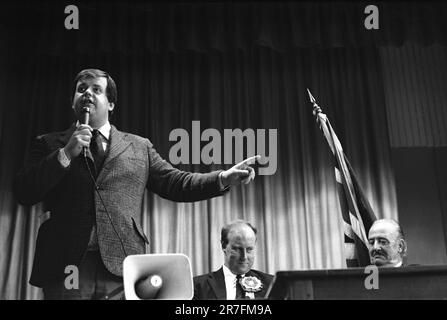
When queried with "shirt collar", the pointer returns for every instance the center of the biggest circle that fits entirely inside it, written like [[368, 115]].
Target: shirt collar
[[104, 129], [397, 265], [228, 274]]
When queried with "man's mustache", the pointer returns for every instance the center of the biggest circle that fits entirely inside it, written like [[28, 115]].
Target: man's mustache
[[378, 253]]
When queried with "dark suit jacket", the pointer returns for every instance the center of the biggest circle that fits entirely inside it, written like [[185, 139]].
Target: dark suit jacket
[[212, 285], [131, 165]]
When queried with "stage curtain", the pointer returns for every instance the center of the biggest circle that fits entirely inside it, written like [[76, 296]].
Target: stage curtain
[[189, 64], [200, 26], [415, 81], [296, 209]]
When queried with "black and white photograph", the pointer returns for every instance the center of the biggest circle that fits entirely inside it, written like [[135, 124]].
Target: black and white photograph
[[227, 156]]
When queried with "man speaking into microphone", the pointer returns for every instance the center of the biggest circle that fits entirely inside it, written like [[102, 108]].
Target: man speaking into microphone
[[95, 196]]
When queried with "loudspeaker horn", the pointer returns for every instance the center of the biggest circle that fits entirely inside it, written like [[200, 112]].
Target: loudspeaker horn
[[158, 277]]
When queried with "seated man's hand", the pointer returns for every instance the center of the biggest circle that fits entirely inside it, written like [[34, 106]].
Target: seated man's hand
[[240, 173]]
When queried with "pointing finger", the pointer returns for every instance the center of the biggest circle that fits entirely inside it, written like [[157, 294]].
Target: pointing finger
[[247, 161], [242, 172]]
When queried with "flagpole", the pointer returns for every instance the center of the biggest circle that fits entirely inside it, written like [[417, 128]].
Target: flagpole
[[317, 111], [322, 120], [354, 209]]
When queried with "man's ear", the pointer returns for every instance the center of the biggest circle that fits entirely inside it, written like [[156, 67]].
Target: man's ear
[[111, 106], [402, 247], [224, 249]]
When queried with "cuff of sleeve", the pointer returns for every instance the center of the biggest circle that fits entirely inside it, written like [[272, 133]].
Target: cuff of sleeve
[[221, 185], [63, 159]]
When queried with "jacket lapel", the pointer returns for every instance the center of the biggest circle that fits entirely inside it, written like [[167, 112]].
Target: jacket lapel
[[217, 284], [118, 144], [262, 292]]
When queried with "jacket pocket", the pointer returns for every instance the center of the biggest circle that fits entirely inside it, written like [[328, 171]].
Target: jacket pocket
[[139, 230]]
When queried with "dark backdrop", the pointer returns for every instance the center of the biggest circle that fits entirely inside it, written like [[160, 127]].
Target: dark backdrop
[[230, 66]]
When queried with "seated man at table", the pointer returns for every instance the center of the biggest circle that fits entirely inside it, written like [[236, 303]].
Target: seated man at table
[[235, 279], [387, 246]]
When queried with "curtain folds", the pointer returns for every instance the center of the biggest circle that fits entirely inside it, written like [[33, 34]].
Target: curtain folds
[[228, 66], [296, 209], [416, 117], [114, 26]]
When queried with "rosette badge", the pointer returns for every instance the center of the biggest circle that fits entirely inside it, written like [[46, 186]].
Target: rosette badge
[[251, 284]]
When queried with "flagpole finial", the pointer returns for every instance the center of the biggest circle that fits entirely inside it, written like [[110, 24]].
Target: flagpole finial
[[311, 97], [317, 110]]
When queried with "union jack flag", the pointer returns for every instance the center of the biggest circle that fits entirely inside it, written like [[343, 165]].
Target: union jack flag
[[356, 211]]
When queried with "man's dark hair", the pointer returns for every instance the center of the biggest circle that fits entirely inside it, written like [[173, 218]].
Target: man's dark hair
[[227, 228], [111, 91]]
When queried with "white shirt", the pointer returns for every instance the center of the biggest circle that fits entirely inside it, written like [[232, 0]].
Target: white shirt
[[105, 131], [230, 283]]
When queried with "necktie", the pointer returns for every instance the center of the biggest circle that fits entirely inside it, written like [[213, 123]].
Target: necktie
[[240, 293], [97, 150]]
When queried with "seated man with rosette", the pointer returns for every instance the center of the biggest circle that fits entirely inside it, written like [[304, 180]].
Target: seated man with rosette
[[235, 279]]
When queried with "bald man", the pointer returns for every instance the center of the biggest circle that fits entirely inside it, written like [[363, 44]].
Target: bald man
[[387, 246], [236, 279]]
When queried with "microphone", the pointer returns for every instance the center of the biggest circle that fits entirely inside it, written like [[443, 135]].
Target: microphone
[[85, 117], [148, 288]]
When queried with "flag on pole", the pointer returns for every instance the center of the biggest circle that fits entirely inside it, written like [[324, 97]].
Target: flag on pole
[[356, 211]]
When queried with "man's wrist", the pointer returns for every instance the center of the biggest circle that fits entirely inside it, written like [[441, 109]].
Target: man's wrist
[[63, 158], [222, 182]]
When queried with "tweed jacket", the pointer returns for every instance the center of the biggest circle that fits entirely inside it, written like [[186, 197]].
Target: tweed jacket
[[131, 165]]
